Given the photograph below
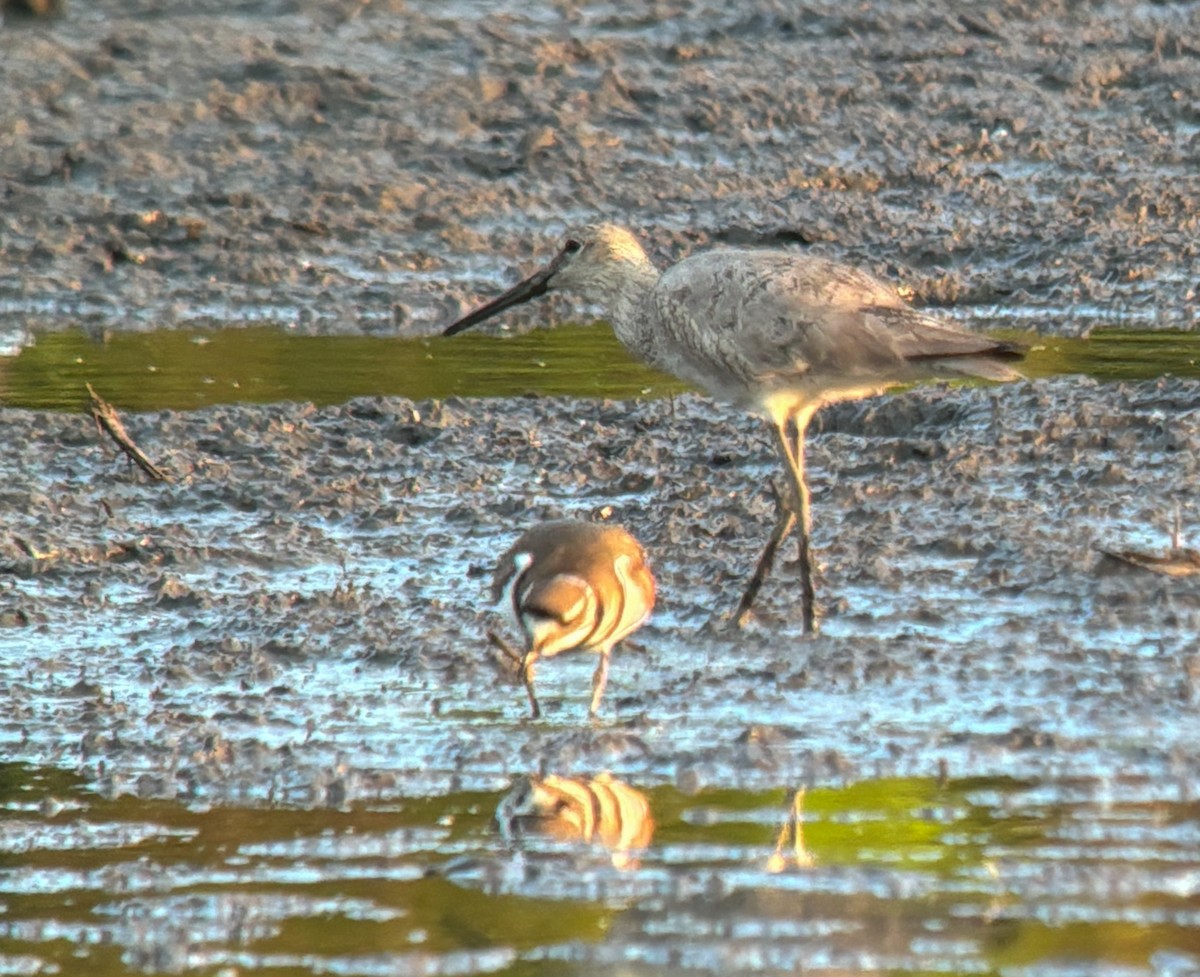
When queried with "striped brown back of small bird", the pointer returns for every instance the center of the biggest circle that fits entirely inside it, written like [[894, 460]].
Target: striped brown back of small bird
[[575, 585]]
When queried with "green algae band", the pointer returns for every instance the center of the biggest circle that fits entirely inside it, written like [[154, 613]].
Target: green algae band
[[182, 370]]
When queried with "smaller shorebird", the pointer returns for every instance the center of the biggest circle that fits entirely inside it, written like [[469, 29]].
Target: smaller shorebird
[[776, 332], [573, 585]]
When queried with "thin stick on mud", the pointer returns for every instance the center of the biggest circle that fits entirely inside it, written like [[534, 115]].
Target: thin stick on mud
[[105, 416]]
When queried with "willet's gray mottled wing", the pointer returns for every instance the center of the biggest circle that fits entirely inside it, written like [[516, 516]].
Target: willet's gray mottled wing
[[775, 332]]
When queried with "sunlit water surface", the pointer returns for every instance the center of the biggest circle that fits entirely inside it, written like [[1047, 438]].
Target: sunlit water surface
[[901, 876]]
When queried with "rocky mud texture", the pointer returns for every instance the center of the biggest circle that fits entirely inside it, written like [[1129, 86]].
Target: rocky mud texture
[[298, 615], [380, 164]]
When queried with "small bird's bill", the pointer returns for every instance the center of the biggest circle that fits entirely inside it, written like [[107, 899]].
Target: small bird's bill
[[508, 650], [535, 285], [524, 669]]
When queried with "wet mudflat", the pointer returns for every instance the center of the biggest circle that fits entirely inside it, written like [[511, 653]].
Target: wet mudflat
[[249, 711], [295, 622], [374, 166]]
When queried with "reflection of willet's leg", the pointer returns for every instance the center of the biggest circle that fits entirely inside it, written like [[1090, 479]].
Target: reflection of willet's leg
[[793, 828]]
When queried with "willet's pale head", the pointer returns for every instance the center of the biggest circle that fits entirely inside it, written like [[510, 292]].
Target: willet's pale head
[[593, 263]]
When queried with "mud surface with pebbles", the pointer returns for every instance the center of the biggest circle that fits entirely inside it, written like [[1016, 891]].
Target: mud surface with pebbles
[[308, 595], [296, 618], [379, 164]]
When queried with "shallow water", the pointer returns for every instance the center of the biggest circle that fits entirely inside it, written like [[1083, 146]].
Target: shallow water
[[909, 876], [184, 369]]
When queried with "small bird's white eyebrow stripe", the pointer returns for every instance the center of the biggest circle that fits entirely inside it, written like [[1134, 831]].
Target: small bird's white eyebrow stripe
[[512, 588]]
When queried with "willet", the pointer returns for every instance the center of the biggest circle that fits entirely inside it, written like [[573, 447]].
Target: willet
[[573, 585], [776, 332]]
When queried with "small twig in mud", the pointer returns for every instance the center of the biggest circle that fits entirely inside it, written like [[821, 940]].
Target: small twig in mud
[[1178, 561], [105, 416], [31, 551]]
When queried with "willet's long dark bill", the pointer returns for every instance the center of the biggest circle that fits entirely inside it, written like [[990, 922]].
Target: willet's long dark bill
[[775, 332]]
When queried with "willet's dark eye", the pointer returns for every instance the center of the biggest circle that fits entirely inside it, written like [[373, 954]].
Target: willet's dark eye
[[572, 246]]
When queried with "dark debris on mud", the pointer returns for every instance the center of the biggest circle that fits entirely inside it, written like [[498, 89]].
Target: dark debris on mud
[[298, 616]]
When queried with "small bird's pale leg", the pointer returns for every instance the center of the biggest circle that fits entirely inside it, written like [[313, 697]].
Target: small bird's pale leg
[[599, 681], [509, 651], [526, 676]]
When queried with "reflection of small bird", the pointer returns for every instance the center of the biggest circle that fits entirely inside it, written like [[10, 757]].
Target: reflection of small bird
[[601, 810], [574, 585], [776, 332]]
